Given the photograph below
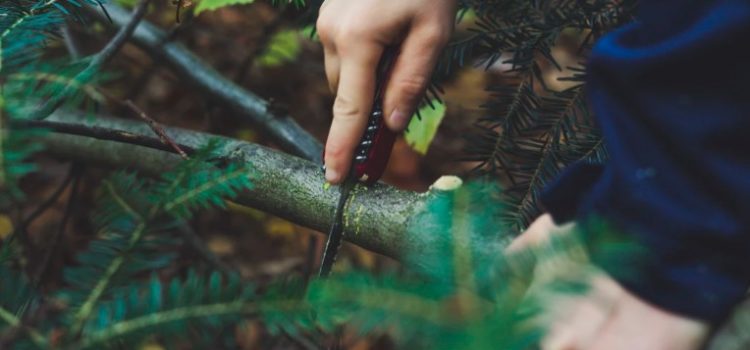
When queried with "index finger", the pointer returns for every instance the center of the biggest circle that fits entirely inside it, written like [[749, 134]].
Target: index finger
[[351, 109]]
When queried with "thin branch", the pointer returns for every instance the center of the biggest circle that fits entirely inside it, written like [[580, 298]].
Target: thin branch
[[100, 133], [70, 43], [20, 231], [125, 327], [11, 319], [156, 127], [96, 63], [246, 105], [44, 265]]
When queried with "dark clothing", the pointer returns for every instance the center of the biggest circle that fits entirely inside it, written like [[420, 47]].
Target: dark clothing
[[671, 92]]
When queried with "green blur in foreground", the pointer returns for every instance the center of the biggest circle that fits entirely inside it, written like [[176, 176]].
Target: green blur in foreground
[[464, 292]]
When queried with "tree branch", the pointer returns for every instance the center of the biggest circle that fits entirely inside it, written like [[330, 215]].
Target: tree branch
[[248, 106], [109, 51], [376, 218]]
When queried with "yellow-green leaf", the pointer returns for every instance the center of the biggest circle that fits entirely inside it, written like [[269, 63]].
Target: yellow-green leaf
[[283, 47], [6, 227], [211, 5], [421, 132]]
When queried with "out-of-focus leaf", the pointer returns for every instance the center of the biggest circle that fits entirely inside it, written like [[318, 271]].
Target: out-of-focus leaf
[[126, 3], [421, 132], [310, 32], [283, 47], [6, 227], [211, 5]]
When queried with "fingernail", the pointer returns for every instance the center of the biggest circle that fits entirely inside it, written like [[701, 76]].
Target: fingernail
[[399, 119], [332, 176]]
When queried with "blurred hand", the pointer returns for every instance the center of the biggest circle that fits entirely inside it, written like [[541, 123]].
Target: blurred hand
[[354, 35], [607, 316]]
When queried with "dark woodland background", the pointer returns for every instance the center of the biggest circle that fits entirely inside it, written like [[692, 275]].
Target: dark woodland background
[[516, 115]]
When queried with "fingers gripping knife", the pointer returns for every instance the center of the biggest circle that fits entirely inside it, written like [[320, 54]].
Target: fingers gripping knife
[[370, 159]]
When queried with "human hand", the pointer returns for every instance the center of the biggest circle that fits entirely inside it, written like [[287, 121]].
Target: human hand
[[354, 35], [604, 317]]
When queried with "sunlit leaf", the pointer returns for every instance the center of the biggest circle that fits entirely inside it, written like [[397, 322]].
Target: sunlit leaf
[[421, 131]]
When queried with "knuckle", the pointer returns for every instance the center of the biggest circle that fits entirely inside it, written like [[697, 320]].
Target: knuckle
[[344, 109], [436, 36], [412, 86], [326, 29], [351, 34]]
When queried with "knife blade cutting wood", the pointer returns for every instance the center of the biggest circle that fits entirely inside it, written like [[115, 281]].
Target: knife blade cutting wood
[[368, 165]]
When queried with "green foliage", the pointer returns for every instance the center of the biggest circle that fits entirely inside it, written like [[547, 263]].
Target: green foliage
[[26, 87], [133, 214], [16, 146], [212, 5], [461, 295], [422, 129], [167, 312], [283, 47], [466, 292], [531, 132], [26, 25], [104, 308]]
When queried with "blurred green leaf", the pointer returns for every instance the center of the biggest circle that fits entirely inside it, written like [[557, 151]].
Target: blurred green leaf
[[420, 133], [283, 47], [211, 5]]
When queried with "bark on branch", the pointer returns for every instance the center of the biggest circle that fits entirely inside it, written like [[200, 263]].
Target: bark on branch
[[282, 128], [376, 218]]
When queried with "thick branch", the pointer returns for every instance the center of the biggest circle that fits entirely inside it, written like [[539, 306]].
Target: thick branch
[[283, 129], [376, 218]]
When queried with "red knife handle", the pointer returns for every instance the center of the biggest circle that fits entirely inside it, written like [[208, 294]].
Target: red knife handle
[[375, 146], [374, 149]]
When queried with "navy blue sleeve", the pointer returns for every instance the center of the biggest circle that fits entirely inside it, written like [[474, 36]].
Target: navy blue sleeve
[[671, 92]]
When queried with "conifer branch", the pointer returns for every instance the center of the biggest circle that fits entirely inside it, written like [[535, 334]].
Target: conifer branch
[[11, 319], [96, 63], [155, 319]]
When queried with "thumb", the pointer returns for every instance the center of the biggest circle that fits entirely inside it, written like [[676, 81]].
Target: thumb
[[411, 75]]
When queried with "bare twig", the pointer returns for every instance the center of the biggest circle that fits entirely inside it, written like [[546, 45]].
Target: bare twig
[[101, 133], [70, 43], [96, 63], [248, 106], [156, 127], [47, 258], [20, 231]]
